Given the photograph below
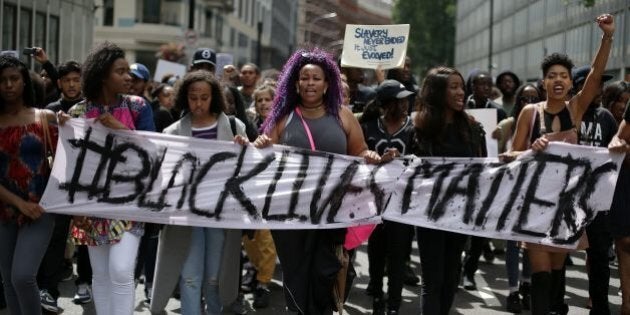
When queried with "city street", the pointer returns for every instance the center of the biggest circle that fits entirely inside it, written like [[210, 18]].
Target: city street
[[487, 300]]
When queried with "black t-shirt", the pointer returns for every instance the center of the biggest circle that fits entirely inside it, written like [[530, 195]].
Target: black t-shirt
[[453, 145], [63, 105], [379, 140], [597, 128]]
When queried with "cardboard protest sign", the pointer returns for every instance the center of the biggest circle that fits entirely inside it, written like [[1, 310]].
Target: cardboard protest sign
[[165, 67], [368, 46]]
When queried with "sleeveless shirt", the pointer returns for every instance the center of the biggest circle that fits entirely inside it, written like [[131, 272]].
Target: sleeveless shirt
[[327, 132]]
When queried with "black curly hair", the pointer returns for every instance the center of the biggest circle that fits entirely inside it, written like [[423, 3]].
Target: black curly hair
[[556, 59], [217, 101], [97, 66], [28, 95]]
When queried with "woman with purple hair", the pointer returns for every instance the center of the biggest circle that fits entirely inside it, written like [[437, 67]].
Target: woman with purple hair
[[307, 113]]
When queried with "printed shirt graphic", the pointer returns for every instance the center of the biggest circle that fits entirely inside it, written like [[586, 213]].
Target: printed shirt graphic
[[597, 128], [23, 166], [135, 114], [379, 140]]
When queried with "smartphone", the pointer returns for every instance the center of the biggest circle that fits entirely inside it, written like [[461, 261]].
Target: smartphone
[[29, 51]]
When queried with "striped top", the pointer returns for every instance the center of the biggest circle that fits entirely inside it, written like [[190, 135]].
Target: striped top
[[208, 133]]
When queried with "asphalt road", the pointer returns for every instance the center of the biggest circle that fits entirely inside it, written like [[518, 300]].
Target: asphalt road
[[487, 300]]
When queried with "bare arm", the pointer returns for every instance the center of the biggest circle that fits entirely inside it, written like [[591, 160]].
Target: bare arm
[[619, 142], [354, 135], [29, 209], [583, 99]]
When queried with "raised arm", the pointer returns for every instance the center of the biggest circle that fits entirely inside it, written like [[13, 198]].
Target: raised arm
[[592, 84]]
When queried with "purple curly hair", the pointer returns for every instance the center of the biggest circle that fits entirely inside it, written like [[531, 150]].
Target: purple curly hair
[[286, 95]]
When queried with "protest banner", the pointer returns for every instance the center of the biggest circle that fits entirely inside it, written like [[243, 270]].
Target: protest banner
[[165, 67], [546, 197], [167, 179], [368, 46]]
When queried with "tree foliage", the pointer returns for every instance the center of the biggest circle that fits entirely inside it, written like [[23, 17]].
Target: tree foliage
[[432, 31]]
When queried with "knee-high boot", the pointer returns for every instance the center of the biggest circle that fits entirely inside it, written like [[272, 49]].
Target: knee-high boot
[[557, 293], [541, 293]]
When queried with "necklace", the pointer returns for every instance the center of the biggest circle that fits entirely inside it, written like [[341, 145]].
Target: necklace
[[312, 108]]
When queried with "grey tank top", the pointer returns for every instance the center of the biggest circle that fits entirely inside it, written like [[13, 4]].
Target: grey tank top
[[327, 132]]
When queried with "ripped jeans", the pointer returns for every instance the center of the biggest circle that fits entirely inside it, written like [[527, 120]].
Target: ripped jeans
[[201, 271]]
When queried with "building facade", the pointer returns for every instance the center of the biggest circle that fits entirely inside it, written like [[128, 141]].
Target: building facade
[[62, 27], [241, 28], [323, 22], [520, 33]]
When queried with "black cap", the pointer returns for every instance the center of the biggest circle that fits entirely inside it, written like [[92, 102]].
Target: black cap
[[579, 75], [390, 89], [204, 55]]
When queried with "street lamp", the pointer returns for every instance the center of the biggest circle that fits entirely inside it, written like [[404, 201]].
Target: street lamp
[[309, 28]]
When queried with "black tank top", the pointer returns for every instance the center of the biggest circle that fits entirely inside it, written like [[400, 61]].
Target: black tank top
[[566, 123]]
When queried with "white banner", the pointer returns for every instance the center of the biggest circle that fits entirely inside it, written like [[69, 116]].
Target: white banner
[[368, 46], [544, 198], [167, 179]]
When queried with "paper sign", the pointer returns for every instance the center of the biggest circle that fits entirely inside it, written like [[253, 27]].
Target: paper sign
[[368, 46], [165, 67]]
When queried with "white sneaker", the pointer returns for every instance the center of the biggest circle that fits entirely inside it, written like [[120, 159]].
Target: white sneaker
[[83, 295], [48, 302]]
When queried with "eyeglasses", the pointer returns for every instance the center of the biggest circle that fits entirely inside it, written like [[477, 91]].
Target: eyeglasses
[[529, 99]]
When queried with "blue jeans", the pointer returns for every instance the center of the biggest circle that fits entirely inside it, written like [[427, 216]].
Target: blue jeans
[[22, 249], [512, 253], [201, 271]]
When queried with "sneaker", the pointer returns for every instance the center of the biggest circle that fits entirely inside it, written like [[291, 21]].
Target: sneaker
[[239, 306], [392, 312], [48, 302], [83, 295], [249, 282], [513, 303], [148, 290], [524, 290], [469, 283], [378, 306], [261, 297]]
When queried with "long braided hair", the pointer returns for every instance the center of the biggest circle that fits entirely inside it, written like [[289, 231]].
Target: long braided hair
[[287, 98]]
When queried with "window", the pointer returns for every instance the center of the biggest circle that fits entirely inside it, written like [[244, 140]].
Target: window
[[108, 15], [52, 49], [151, 11], [208, 29], [242, 40], [8, 28], [25, 32], [218, 29], [40, 30]]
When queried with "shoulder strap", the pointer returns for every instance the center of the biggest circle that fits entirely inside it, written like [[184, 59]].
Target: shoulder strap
[[43, 120], [541, 117], [306, 128], [232, 125]]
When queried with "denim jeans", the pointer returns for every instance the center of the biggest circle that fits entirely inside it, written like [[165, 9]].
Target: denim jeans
[[22, 249], [512, 253], [201, 271]]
